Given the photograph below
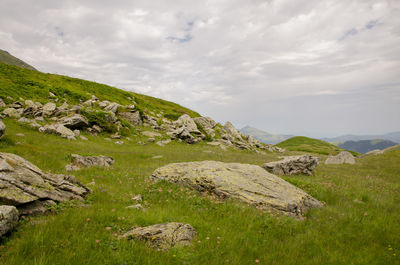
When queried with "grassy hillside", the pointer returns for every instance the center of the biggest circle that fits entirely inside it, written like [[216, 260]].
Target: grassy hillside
[[358, 225], [17, 82], [7, 58], [305, 144]]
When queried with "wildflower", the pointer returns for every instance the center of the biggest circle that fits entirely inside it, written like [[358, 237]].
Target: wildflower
[[257, 261], [207, 238], [153, 238], [174, 255], [108, 228], [113, 210], [390, 249], [88, 220], [97, 241], [119, 218]]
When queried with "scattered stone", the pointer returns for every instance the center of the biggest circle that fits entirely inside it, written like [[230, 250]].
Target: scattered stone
[[151, 134], [138, 198], [49, 109], [164, 236], [163, 142], [2, 104], [2, 128], [157, 157], [75, 122], [77, 133], [58, 129], [108, 139], [249, 183], [119, 142], [132, 117], [342, 158], [12, 112], [83, 138], [116, 136], [79, 162], [151, 140], [20, 135], [52, 95], [136, 206], [112, 107], [25, 186], [97, 128], [8, 218], [293, 165]]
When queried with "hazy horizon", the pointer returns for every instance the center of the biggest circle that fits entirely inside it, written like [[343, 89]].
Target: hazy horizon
[[314, 68]]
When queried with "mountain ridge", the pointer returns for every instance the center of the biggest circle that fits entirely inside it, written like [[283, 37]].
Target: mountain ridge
[[264, 137], [7, 58]]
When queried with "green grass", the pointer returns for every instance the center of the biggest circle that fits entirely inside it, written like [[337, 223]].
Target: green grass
[[17, 82], [358, 225], [305, 144]]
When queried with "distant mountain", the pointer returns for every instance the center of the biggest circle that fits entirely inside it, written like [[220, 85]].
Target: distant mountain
[[365, 146], [264, 137], [7, 58], [394, 137]]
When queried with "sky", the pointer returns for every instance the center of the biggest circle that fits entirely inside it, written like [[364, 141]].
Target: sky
[[319, 68]]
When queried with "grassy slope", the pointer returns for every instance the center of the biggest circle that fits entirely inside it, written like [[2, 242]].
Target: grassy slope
[[7, 58], [18, 82], [305, 144], [358, 225]]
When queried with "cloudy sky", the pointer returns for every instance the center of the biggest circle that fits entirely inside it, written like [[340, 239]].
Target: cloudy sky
[[313, 67]]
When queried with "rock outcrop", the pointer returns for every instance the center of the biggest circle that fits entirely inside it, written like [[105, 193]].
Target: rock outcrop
[[375, 152], [164, 236], [79, 162], [133, 117], [25, 186], [75, 122], [8, 218], [293, 165], [2, 128], [343, 157], [249, 183], [58, 129]]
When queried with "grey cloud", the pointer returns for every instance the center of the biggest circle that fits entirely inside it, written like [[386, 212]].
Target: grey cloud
[[253, 63]]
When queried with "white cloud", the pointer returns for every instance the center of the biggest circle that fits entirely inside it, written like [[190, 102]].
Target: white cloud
[[226, 59]]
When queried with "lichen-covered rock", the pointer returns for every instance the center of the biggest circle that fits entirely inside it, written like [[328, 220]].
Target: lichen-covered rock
[[343, 157], [133, 117], [164, 236], [248, 183], [8, 218], [22, 184], [79, 162], [151, 134], [187, 123], [12, 112], [58, 129], [2, 128], [74, 122], [49, 109], [112, 107], [205, 122], [293, 165], [231, 130]]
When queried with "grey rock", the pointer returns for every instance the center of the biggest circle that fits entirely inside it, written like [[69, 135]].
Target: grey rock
[[49, 109], [231, 130], [133, 117], [8, 218], [79, 162], [12, 112], [75, 122], [23, 184], [164, 236], [293, 165], [187, 123], [151, 134], [2, 128], [343, 157], [136, 206], [205, 122], [113, 107], [2, 104], [248, 183]]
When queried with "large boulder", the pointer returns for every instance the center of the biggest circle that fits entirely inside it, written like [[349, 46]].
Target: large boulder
[[164, 236], [248, 183], [112, 107], [12, 112], [8, 218], [79, 162], [25, 186], [231, 130], [58, 129], [343, 157], [205, 122], [293, 165], [133, 117], [187, 123], [75, 122], [49, 109], [2, 128]]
